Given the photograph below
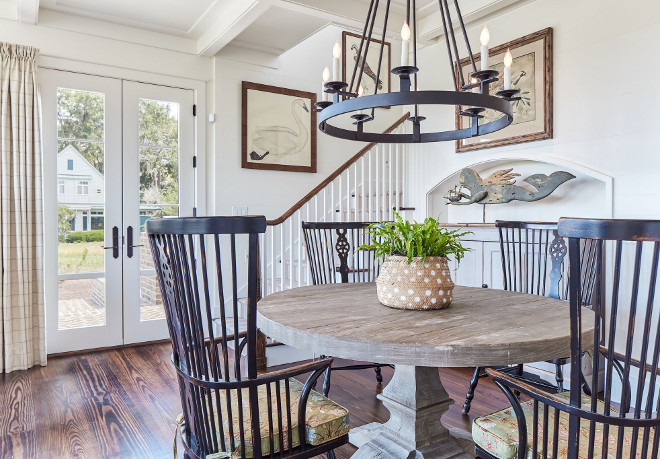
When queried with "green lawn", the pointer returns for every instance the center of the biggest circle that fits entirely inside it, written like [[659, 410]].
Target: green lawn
[[80, 257]]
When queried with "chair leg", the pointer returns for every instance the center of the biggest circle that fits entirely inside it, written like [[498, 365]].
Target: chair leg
[[326, 382], [331, 454], [559, 377], [519, 372], [470, 394], [585, 385], [379, 376]]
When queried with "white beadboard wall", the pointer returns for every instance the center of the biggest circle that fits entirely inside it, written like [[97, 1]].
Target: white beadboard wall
[[605, 60]]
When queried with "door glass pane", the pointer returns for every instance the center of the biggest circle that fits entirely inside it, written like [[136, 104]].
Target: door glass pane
[[81, 206], [158, 146]]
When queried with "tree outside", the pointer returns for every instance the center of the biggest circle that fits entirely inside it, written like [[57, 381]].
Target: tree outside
[[81, 120]]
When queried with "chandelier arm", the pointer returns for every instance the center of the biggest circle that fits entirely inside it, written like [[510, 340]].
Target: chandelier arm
[[382, 48], [382, 45], [451, 57], [467, 41], [414, 13], [366, 48], [364, 33], [453, 40]]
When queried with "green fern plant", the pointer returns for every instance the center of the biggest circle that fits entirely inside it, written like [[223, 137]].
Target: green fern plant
[[412, 239]]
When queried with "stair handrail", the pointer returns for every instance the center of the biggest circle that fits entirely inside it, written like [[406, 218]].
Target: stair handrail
[[334, 175]]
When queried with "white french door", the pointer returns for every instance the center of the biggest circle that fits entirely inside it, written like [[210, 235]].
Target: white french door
[[116, 153]]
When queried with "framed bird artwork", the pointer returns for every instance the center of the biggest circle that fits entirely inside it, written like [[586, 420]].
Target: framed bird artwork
[[531, 73], [371, 81], [278, 128]]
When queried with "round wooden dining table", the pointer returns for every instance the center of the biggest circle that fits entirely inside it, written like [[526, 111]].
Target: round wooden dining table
[[481, 326]]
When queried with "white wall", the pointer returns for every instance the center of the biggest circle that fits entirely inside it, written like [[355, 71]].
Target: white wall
[[605, 59], [272, 192], [138, 56]]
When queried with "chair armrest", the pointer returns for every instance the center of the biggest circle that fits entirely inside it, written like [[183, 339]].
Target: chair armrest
[[264, 378], [321, 364], [508, 383]]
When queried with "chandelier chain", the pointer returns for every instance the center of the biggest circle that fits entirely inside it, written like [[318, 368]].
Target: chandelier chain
[[364, 33]]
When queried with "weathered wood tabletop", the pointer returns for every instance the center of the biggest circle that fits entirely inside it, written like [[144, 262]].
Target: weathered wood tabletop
[[481, 326]]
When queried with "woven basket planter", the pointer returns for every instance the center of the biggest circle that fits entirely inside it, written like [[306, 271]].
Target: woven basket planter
[[415, 286]]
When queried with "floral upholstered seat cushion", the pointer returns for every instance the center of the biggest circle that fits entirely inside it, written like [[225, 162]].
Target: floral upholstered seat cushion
[[497, 433], [325, 420]]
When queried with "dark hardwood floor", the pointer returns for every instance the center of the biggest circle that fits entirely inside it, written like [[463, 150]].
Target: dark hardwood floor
[[122, 403]]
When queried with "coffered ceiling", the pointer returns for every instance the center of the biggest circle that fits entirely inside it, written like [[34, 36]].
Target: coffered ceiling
[[205, 27]]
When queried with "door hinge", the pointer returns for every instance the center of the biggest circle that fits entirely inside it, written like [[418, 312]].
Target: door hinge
[[194, 109], [195, 161], [194, 211]]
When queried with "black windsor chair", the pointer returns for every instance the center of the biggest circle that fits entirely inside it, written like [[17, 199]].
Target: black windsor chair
[[333, 258], [533, 261], [623, 419], [228, 409]]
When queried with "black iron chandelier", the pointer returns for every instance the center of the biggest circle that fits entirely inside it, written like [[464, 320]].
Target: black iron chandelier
[[471, 98]]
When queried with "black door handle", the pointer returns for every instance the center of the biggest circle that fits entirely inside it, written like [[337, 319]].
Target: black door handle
[[115, 243], [130, 245]]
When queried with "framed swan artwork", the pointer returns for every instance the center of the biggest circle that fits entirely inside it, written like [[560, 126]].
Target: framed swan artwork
[[278, 128]]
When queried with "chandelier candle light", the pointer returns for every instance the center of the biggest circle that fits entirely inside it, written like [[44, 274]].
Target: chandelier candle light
[[471, 98]]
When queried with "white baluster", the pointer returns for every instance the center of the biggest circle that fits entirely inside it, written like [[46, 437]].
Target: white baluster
[[281, 257], [299, 229], [404, 193], [332, 200], [371, 208], [341, 201], [363, 188], [389, 184], [272, 259], [348, 195], [377, 176], [262, 271], [308, 262], [316, 206], [291, 268], [356, 216], [397, 188]]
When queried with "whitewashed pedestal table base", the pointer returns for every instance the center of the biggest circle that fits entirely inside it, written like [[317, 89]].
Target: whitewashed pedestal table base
[[416, 401]]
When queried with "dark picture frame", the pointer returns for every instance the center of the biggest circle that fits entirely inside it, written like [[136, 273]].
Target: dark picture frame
[[350, 47], [535, 107], [278, 128]]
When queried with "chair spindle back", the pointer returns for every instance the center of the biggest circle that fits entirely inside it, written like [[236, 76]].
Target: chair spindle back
[[627, 332], [333, 255]]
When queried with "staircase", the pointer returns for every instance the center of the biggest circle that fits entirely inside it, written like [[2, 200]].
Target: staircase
[[368, 187]]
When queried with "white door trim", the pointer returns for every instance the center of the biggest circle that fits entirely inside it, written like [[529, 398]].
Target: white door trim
[[111, 333]]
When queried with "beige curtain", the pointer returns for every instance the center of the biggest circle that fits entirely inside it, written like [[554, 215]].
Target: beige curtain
[[22, 317]]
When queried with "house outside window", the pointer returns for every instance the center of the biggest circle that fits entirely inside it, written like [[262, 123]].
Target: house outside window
[[61, 186], [69, 164], [96, 220], [83, 187]]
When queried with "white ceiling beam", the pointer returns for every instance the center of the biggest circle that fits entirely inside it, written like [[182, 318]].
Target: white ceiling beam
[[230, 18], [477, 10], [348, 14], [28, 11]]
